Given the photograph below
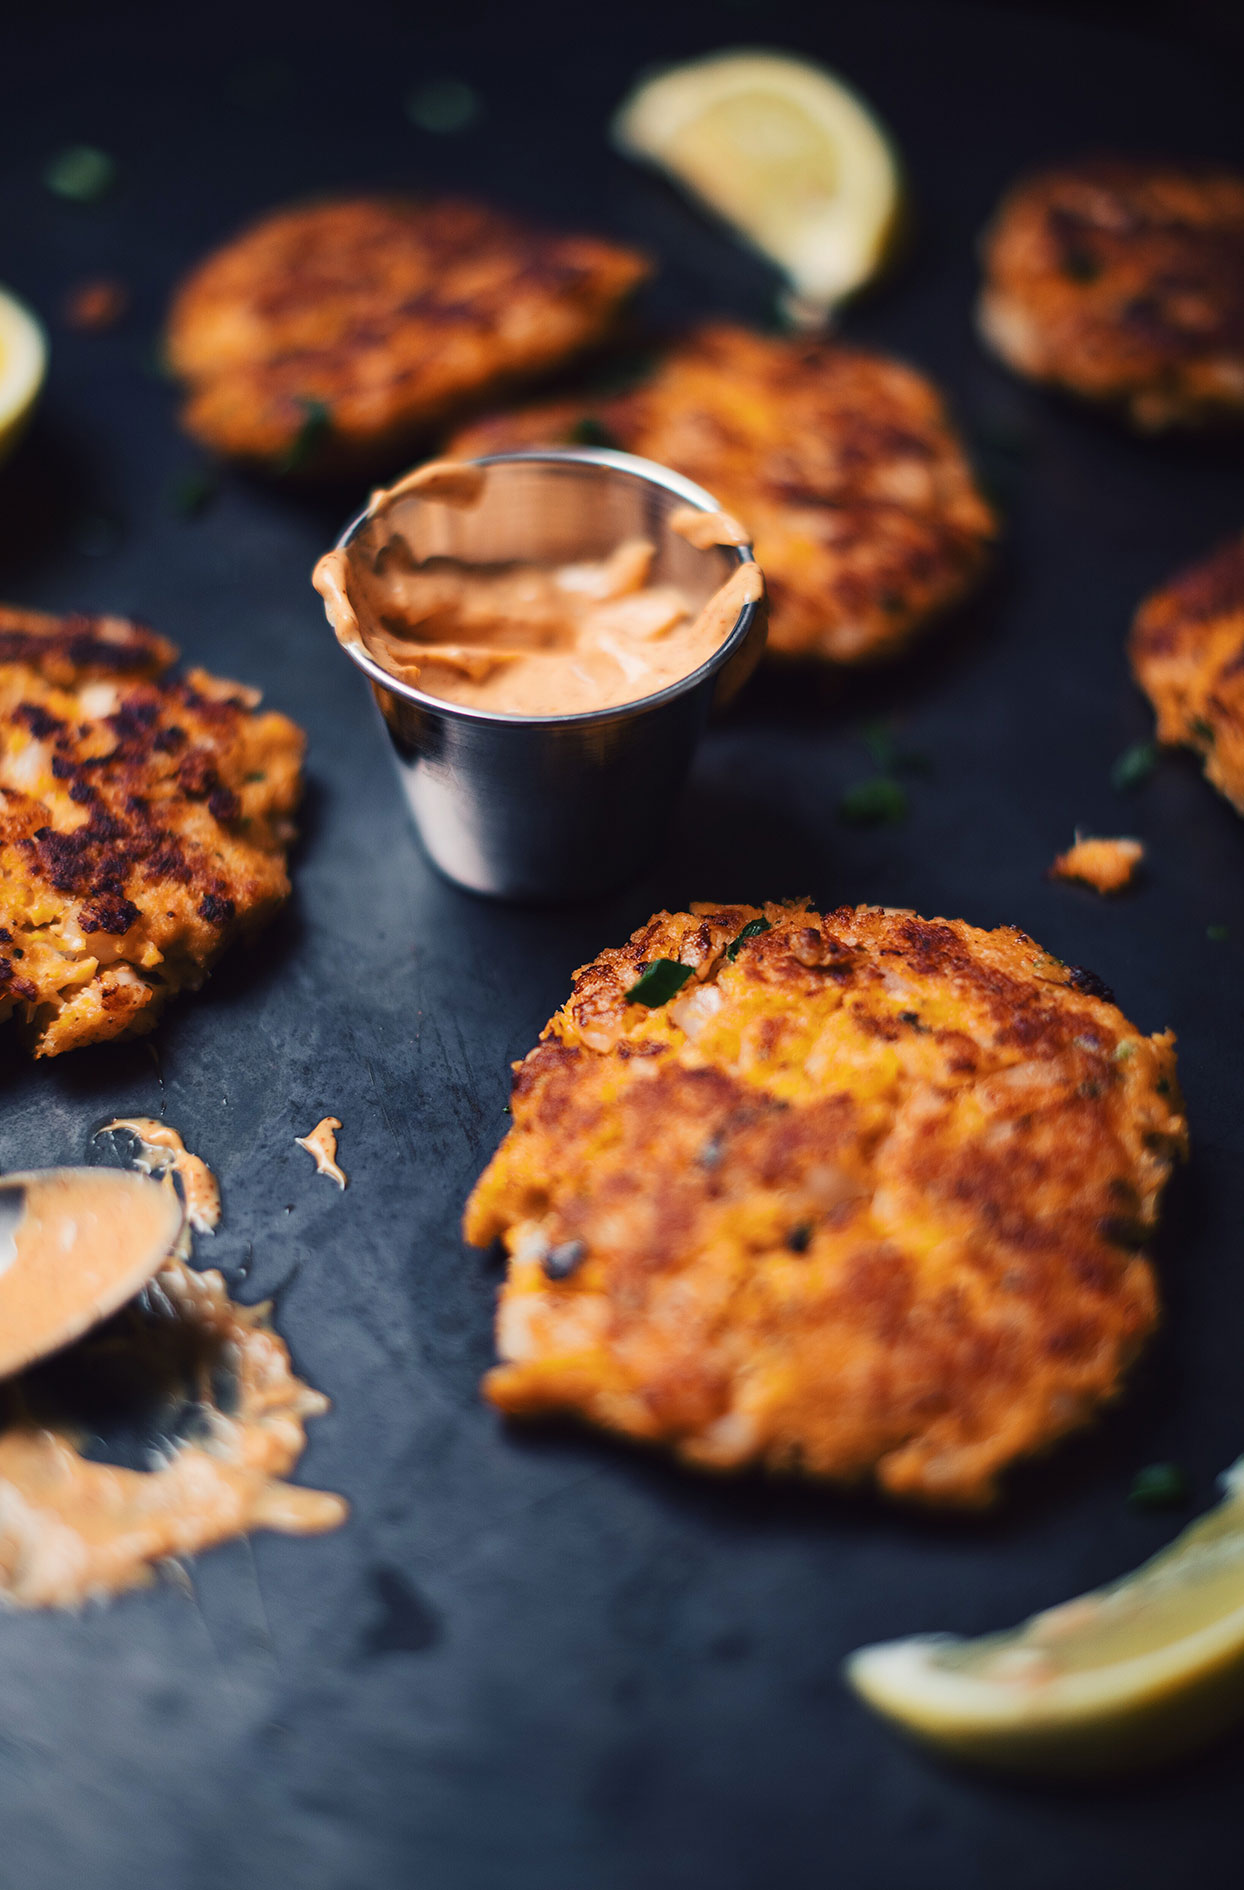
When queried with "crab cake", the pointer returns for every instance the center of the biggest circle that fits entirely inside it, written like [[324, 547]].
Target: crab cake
[[333, 335], [1123, 282], [866, 1197], [143, 824], [1187, 650], [842, 464]]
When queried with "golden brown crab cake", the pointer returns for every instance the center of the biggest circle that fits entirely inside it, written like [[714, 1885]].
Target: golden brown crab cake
[[333, 335], [143, 824], [842, 464], [1187, 650], [1123, 281], [866, 1198]]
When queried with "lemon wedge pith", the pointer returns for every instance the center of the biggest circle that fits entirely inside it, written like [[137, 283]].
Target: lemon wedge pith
[[786, 153], [1131, 1674], [23, 361]]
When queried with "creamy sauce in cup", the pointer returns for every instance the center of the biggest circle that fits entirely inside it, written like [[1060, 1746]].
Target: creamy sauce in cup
[[523, 638]]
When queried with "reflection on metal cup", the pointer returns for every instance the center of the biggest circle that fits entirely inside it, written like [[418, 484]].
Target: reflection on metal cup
[[558, 807]]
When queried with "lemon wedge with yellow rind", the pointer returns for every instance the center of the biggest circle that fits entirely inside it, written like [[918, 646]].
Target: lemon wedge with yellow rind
[[786, 153], [1131, 1674], [23, 362]]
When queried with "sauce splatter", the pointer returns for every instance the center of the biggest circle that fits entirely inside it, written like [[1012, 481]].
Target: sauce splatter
[[321, 1145], [161, 1151]]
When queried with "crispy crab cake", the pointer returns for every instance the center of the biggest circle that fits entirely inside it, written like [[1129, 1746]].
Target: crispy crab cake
[[867, 1198], [1187, 650], [1123, 282], [843, 465], [331, 336], [143, 824]]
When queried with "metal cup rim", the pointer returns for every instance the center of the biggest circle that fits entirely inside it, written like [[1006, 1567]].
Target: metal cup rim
[[655, 474]]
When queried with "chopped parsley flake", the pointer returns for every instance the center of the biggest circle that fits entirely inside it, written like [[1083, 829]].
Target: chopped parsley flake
[[1134, 765], [1158, 1486], [888, 758], [752, 929], [878, 739], [589, 431], [193, 491], [443, 105], [317, 424], [878, 803], [1202, 731], [658, 984], [81, 173]]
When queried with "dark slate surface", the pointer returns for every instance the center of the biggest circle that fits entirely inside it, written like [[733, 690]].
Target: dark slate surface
[[539, 1659]]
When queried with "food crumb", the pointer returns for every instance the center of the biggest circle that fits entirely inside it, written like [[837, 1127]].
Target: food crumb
[[1106, 865], [321, 1145], [94, 306]]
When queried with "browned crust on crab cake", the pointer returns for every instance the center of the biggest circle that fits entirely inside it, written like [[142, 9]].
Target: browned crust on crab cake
[[842, 464], [1187, 650], [1123, 282], [869, 1201], [143, 824], [331, 336]]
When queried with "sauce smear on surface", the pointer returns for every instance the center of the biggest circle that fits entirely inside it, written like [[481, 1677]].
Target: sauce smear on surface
[[167, 1428]]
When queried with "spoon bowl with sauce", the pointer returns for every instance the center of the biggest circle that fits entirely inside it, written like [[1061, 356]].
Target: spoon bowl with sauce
[[545, 634], [75, 1245]]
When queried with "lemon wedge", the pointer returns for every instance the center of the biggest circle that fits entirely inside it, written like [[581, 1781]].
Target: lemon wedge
[[1128, 1675], [783, 151], [23, 362]]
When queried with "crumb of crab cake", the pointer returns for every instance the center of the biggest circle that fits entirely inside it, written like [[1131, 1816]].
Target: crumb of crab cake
[[842, 464], [1106, 865], [1187, 653], [862, 1196], [144, 821], [1122, 281], [332, 336]]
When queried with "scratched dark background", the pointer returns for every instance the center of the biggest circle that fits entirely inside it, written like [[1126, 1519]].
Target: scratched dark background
[[536, 1658]]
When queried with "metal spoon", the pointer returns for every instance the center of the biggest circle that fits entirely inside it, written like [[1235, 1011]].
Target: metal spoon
[[75, 1245]]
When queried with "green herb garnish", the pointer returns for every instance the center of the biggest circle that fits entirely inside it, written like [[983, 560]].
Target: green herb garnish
[[443, 105], [193, 491], [752, 929], [1158, 1486], [878, 803], [878, 739], [1134, 765], [662, 979], [81, 173], [1217, 934], [261, 84], [97, 535], [589, 431], [317, 424], [1202, 731], [888, 758]]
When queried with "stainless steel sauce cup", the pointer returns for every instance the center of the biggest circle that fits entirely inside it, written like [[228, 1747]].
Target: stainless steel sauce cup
[[558, 807]]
